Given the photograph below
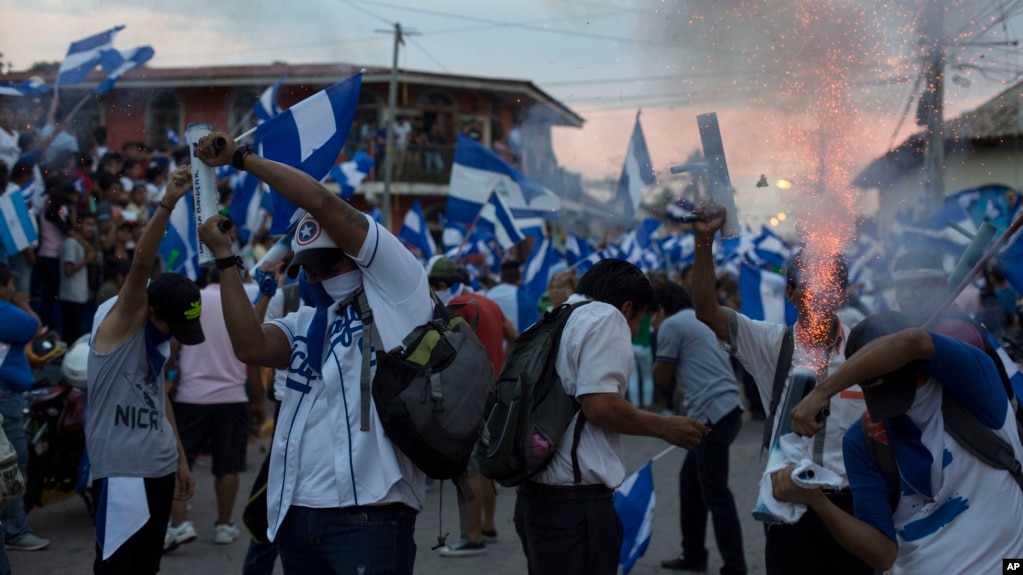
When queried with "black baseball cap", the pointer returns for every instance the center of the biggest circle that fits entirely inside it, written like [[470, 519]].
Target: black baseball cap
[[177, 301], [892, 393]]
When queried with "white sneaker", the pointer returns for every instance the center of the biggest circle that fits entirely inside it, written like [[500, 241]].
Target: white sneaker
[[463, 548], [224, 533], [184, 533]]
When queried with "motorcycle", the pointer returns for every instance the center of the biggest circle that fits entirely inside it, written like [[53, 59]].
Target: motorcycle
[[55, 426]]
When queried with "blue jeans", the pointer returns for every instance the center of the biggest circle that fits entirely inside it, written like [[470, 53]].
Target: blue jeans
[[12, 405], [369, 539], [703, 488], [259, 559]]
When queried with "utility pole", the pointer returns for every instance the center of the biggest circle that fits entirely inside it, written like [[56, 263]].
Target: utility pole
[[392, 98], [930, 112]]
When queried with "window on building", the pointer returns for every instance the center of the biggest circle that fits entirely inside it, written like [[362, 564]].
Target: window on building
[[164, 114]]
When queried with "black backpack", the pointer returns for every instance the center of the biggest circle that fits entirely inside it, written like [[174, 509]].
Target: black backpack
[[528, 412], [430, 395], [977, 438]]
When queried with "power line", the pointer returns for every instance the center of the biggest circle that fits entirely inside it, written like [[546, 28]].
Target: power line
[[429, 55], [498, 23], [369, 13]]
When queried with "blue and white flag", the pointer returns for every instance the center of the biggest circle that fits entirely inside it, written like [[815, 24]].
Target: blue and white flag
[[535, 277], [477, 172], [249, 204], [772, 251], [266, 106], [576, 248], [635, 502], [83, 56], [637, 173], [496, 213], [30, 87], [415, 232], [121, 511], [1011, 258], [638, 246], [351, 173], [309, 136], [454, 234], [585, 264], [679, 249], [763, 295], [19, 230], [116, 64], [178, 249], [175, 140]]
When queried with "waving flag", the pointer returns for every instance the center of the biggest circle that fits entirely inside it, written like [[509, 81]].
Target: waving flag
[[351, 173], [637, 173], [83, 56], [763, 295], [117, 64], [771, 250], [679, 249], [497, 214], [178, 249], [30, 87], [266, 106], [415, 232], [535, 277], [576, 249], [454, 234], [249, 204], [477, 171], [635, 502], [19, 230], [636, 247], [309, 136]]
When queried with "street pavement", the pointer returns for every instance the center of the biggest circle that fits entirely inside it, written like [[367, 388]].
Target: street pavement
[[67, 524]]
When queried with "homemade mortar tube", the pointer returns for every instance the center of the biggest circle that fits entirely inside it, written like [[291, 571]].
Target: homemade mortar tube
[[972, 255], [204, 186], [721, 192]]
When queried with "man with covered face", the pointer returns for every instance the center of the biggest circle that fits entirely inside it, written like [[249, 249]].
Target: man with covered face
[[341, 497], [954, 513]]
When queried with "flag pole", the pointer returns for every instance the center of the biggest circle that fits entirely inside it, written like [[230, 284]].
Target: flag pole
[[246, 134], [77, 107], [666, 451]]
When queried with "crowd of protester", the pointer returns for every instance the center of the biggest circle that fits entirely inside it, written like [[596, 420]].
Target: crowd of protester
[[95, 206]]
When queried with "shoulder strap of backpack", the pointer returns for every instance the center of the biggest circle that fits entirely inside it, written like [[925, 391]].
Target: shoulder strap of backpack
[[980, 440], [883, 456], [291, 298], [370, 337], [580, 419], [781, 371]]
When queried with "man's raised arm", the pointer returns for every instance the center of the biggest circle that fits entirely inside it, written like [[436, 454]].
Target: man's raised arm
[[705, 302]]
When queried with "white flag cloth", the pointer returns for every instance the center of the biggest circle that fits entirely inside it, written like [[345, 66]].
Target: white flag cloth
[[122, 510]]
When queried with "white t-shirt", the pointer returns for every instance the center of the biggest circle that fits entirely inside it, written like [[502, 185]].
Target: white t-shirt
[[74, 287], [320, 456], [756, 345], [401, 132], [595, 356]]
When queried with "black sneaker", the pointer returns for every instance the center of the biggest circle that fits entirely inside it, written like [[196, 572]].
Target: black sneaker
[[490, 536], [463, 548], [681, 564]]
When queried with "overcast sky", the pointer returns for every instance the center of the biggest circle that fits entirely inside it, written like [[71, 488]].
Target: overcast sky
[[604, 59]]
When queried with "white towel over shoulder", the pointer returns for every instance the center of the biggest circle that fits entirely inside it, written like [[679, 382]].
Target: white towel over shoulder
[[794, 450]]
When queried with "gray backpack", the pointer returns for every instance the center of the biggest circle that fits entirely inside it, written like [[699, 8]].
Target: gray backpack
[[429, 395]]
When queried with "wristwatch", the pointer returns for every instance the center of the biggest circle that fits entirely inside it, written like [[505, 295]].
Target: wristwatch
[[238, 159]]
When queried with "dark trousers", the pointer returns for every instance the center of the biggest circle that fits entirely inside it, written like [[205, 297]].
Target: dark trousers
[[49, 282], [807, 547], [74, 320], [141, 553], [370, 539], [568, 530], [703, 488]]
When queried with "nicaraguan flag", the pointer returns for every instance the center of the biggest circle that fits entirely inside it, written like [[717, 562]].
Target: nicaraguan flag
[[175, 140], [249, 204], [266, 106], [309, 136], [121, 511], [454, 234], [637, 173], [116, 64], [679, 249], [83, 56], [477, 172], [178, 249], [30, 87], [576, 249], [535, 276], [771, 250], [496, 213], [19, 230], [415, 232], [763, 295], [351, 173], [635, 502], [611, 251]]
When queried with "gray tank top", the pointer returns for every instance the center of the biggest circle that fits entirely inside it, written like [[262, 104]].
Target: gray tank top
[[126, 428]]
